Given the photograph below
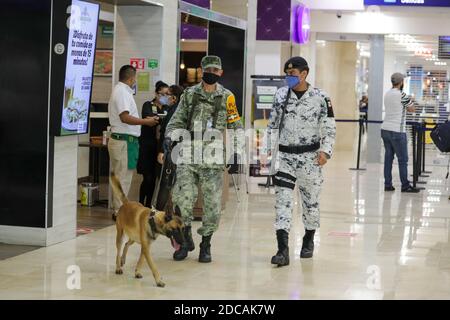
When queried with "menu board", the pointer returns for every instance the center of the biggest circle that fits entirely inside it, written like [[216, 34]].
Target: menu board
[[81, 44], [444, 47], [264, 91]]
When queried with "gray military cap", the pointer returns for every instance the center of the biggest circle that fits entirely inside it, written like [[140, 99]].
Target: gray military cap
[[211, 62]]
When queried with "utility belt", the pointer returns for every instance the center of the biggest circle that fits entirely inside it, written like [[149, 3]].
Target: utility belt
[[124, 137], [299, 149], [132, 148]]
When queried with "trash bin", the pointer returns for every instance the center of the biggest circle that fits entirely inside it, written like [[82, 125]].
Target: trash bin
[[89, 194]]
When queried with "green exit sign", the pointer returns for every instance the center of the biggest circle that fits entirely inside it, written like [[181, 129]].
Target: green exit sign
[[153, 63]]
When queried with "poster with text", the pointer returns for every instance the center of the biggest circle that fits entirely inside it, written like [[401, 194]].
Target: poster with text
[[79, 67]]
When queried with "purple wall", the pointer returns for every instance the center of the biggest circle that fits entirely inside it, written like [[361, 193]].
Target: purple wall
[[191, 32], [273, 20], [200, 3]]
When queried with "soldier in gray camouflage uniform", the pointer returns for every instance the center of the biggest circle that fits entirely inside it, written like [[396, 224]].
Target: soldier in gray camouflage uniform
[[302, 120], [204, 110]]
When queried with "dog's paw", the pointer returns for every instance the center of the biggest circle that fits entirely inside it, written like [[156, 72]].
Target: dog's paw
[[138, 276], [119, 271], [160, 284]]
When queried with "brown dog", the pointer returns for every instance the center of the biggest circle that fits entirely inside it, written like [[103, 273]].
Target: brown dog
[[142, 225]]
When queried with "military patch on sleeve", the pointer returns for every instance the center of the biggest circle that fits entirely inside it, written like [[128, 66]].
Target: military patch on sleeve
[[329, 108], [232, 113]]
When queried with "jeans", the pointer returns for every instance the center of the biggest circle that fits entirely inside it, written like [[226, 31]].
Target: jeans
[[395, 143]]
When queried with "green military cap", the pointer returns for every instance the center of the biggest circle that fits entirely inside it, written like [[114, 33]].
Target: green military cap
[[211, 62]]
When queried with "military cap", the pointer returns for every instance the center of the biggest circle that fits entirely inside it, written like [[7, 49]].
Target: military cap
[[211, 62], [295, 63]]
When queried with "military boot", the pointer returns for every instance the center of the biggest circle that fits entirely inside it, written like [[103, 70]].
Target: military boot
[[186, 246], [282, 256], [205, 250], [308, 244]]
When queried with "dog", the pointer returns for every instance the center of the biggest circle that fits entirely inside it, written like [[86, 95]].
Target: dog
[[143, 225]]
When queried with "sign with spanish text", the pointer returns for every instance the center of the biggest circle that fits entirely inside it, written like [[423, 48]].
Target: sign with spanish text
[[79, 67]]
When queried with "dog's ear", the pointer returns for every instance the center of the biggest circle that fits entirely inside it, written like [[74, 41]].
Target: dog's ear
[[167, 217], [177, 211]]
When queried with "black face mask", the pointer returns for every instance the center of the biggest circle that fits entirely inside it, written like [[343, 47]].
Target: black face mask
[[210, 78]]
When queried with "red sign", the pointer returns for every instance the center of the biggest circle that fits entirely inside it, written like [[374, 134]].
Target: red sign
[[138, 63], [84, 230]]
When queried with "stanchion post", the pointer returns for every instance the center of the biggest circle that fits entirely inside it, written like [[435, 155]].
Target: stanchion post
[[420, 146], [414, 133], [358, 159], [423, 150]]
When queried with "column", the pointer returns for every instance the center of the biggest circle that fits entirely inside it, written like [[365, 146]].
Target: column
[[376, 67]]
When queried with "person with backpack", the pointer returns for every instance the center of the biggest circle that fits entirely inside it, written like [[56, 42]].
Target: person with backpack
[[205, 110], [393, 133]]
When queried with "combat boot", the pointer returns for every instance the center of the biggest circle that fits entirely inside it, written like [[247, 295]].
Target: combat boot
[[282, 256], [186, 246], [308, 244], [205, 250]]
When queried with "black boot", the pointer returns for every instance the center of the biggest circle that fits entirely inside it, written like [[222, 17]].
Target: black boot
[[186, 246], [308, 244], [282, 256], [205, 250]]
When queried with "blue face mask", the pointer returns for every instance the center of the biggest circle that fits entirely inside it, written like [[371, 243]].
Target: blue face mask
[[292, 81], [164, 100]]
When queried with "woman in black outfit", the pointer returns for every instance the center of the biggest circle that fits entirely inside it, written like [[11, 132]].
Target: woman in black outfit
[[148, 145], [167, 179]]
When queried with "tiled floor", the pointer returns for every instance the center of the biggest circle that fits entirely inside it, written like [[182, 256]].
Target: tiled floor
[[371, 245]]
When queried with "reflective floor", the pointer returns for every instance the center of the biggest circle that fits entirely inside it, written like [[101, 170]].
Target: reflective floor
[[371, 245]]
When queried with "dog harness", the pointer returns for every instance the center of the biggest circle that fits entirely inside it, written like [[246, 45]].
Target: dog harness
[[151, 222]]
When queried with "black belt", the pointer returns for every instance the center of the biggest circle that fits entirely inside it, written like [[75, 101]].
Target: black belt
[[299, 149]]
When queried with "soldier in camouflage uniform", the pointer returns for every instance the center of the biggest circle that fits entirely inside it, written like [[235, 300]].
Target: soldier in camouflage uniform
[[205, 110], [302, 121]]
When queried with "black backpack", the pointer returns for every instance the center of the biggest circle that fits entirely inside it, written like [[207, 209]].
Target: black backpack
[[441, 136]]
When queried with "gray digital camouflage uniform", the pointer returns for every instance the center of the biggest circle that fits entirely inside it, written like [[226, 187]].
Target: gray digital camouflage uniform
[[306, 121], [206, 165]]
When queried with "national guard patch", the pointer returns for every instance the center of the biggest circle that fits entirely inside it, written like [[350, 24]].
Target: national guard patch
[[329, 107], [232, 113]]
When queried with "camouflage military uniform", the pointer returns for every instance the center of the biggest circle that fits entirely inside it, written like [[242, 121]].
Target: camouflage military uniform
[[307, 121], [205, 168]]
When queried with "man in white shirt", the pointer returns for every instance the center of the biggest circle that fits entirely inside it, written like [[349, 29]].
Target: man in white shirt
[[126, 124], [393, 133]]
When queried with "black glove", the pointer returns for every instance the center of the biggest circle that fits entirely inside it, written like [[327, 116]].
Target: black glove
[[167, 145], [233, 164]]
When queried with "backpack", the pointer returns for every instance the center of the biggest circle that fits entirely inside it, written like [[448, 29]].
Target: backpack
[[441, 136]]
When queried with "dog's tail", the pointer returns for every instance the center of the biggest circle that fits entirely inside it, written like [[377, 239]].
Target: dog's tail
[[117, 189]]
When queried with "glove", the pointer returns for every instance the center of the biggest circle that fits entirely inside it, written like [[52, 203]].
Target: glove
[[167, 145], [233, 164]]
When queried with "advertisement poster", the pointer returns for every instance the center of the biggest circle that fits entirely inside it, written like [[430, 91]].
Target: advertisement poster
[[79, 67], [103, 63], [143, 81]]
